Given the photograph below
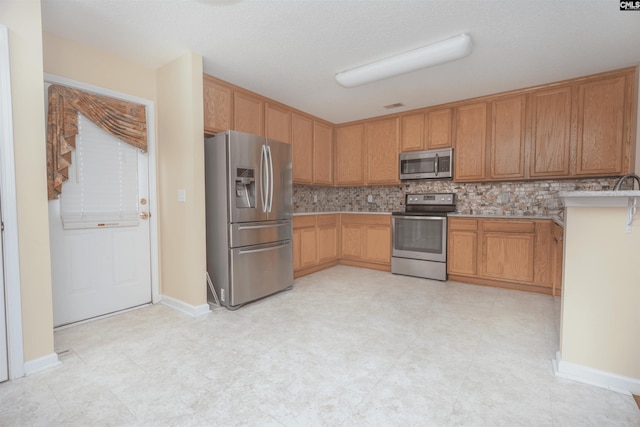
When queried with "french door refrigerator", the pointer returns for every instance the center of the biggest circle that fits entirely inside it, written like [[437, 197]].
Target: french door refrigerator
[[248, 187]]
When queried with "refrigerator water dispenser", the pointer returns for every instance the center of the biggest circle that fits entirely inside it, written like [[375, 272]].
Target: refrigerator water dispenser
[[245, 188]]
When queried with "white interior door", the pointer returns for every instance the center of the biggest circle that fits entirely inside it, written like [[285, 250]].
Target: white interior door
[[99, 232]]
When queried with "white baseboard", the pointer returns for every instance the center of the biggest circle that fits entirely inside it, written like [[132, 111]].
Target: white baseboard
[[40, 364], [587, 375], [181, 306]]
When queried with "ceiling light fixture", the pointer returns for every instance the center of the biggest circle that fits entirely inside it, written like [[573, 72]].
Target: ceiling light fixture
[[423, 57]]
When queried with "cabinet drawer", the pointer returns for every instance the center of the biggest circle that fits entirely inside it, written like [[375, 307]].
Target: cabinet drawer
[[304, 221], [463, 224], [508, 226], [324, 220], [366, 219]]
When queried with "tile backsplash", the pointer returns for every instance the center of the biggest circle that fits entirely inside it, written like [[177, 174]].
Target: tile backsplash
[[497, 198]]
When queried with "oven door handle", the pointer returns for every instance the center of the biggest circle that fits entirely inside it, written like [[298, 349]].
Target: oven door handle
[[420, 217]]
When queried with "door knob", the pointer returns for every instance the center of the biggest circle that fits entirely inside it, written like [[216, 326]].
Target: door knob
[[144, 215]]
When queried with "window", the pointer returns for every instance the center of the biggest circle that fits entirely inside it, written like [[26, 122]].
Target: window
[[102, 190]]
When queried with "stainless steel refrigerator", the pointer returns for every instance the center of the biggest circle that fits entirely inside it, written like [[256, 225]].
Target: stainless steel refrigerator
[[248, 208]]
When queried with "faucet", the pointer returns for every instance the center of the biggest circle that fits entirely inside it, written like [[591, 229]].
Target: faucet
[[624, 178]]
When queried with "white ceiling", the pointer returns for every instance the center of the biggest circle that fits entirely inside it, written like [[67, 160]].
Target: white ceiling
[[290, 50]]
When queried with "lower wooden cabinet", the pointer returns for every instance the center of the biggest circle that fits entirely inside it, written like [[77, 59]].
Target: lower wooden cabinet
[[511, 253], [315, 243], [462, 244], [366, 241], [323, 240]]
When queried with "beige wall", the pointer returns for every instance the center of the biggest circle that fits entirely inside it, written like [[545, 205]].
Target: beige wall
[[181, 162], [66, 58], [601, 294], [25, 44]]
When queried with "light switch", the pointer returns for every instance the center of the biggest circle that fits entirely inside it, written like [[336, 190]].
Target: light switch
[[182, 195], [315, 198], [370, 198]]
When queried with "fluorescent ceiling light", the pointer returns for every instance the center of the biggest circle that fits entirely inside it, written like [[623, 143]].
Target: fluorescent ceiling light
[[423, 57]]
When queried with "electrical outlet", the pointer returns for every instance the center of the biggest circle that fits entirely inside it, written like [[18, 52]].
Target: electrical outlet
[[370, 198], [182, 196], [315, 198], [505, 197]]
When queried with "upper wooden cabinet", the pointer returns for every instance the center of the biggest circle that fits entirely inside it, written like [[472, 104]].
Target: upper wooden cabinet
[[470, 142], [550, 133], [507, 144], [302, 149], [438, 129], [350, 155], [382, 137], [277, 123], [601, 139], [430, 130], [248, 113], [412, 132], [217, 105], [322, 154]]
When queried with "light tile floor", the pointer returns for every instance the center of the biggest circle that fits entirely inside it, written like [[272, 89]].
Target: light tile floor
[[346, 346]]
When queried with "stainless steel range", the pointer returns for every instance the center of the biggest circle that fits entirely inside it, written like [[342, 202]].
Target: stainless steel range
[[420, 236]]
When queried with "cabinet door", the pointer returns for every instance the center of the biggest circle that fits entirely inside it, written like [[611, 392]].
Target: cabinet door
[[248, 113], [277, 123], [352, 236], [302, 149], [438, 128], [508, 256], [322, 154], [600, 143], [550, 133], [309, 243], [378, 244], [382, 138], [217, 106], [543, 254], [350, 155], [412, 132], [296, 240], [327, 238], [507, 146], [462, 254], [470, 142]]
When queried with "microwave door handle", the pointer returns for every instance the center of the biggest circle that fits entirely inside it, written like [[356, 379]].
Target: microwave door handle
[[437, 164]]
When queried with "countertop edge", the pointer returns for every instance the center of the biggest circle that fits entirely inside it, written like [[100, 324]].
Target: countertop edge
[[603, 199]]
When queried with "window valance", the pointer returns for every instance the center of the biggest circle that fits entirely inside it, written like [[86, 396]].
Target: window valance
[[124, 120]]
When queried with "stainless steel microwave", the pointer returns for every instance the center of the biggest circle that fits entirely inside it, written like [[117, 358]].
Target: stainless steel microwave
[[430, 164]]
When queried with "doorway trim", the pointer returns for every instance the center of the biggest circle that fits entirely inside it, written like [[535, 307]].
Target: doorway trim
[[11, 256], [151, 150]]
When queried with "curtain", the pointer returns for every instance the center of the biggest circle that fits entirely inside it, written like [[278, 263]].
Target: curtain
[[124, 120]]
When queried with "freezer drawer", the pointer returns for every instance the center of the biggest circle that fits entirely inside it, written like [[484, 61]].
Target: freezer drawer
[[258, 271], [256, 233]]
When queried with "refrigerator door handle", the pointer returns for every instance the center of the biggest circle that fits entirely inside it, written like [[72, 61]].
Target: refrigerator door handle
[[259, 227], [263, 178], [271, 180], [270, 248]]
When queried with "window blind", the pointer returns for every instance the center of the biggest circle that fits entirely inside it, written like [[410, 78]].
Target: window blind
[[102, 190]]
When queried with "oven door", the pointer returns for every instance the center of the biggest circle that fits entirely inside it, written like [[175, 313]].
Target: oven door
[[420, 237]]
